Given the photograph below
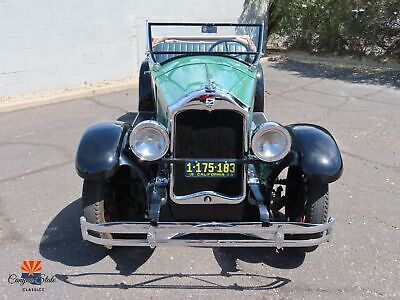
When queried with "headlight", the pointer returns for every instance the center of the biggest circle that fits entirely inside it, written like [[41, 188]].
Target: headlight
[[271, 142], [149, 140]]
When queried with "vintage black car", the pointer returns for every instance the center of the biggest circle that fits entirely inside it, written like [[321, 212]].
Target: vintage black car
[[201, 164]]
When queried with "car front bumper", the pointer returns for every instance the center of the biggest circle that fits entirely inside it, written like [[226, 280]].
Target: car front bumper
[[194, 234]]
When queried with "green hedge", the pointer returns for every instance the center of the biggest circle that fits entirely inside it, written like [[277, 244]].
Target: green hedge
[[336, 26]]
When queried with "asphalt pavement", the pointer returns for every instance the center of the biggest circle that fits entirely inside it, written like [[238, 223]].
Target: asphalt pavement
[[40, 203]]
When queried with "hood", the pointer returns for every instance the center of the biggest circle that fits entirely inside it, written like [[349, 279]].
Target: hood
[[178, 78]]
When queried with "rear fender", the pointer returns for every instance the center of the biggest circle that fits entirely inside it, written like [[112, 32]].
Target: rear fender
[[319, 156]]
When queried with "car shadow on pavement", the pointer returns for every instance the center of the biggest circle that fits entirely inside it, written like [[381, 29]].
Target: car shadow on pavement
[[181, 281], [62, 242], [374, 76], [227, 258]]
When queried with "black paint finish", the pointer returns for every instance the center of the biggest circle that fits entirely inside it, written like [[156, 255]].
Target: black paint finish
[[206, 212], [146, 95], [99, 150], [259, 95], [318, 153]]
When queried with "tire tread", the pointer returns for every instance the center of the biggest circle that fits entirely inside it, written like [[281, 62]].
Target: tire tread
[[93, 204]]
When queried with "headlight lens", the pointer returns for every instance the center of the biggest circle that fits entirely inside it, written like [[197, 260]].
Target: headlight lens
[[149, 140], [271, 142]]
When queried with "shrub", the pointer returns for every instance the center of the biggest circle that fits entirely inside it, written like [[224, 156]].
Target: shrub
[[336, 26]]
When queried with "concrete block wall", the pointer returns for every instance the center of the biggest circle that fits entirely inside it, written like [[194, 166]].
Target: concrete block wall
[[53, 44]]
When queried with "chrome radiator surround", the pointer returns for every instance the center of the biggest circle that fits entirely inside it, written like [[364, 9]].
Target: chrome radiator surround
[[224, 101]]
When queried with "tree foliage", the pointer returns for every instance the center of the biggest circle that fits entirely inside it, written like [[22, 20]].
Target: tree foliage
[[338, 26]]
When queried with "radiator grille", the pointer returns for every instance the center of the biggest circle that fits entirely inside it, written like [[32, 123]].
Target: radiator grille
[[201, 134]]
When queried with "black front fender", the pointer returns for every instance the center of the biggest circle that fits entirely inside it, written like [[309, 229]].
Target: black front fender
[[319, 156], [99, 150]]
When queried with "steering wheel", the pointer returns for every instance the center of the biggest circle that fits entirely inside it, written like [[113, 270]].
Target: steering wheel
[[226, 48]]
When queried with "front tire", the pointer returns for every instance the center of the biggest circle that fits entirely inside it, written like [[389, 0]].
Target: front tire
[[307, 202], [316, 211], [93, 205]]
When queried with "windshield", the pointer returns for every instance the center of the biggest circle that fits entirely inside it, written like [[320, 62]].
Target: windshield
[[168, 41]]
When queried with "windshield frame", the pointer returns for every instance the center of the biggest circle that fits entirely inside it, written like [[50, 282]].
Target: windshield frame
[[257, 54]]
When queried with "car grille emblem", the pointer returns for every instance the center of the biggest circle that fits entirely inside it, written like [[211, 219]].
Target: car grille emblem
[[207, 99], [210, 102]]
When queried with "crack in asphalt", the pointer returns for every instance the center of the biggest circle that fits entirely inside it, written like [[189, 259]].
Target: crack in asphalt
[[374, 292], [383, 222], [339, 105], [307, 102], [297, 88], [394, 168], [376, 101], [10, 233], [357, 188], [374, 92], [343, 290], [106, 105], [361, 98], [50, 167], [64, 151], [330, 109]]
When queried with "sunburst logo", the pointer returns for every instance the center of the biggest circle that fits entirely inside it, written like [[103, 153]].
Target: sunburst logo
[[32, 270], [31, 274]]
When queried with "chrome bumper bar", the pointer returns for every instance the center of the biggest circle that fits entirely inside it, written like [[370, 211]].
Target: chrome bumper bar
[[252, 234]]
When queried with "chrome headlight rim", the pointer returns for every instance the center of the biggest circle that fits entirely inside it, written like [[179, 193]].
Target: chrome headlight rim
[[267, 127], [152, 125]]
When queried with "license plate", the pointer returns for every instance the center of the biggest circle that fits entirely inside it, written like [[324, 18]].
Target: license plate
[[194, 168]]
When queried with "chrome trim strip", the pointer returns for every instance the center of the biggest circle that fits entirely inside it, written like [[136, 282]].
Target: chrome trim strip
[[199, 197], [226, 101], [229, 102], [167, 233]]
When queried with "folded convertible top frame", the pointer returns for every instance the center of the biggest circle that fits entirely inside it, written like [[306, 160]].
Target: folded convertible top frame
[[197, 234]]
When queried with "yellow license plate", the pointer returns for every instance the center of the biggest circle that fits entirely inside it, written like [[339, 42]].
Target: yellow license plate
[[194, 168]]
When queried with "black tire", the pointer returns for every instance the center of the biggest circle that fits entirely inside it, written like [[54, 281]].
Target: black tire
[[308, 202], [146, 95], [316, 211], [259, 96], [93, 204]]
